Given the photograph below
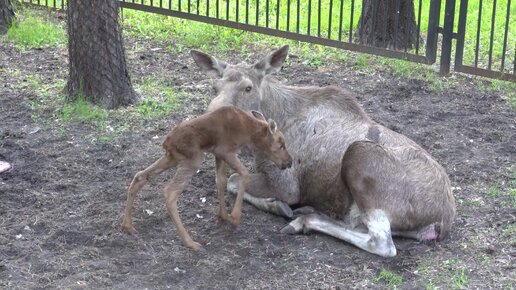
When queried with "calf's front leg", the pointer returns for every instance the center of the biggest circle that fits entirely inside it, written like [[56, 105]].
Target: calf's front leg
[[221, 181], [233, 162]]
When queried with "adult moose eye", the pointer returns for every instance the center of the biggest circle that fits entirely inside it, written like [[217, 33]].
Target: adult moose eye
[[248, 89]]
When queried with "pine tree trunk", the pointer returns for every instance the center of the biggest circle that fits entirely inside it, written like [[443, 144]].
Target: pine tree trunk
[[388, 23], [97, 67], [6, 15]]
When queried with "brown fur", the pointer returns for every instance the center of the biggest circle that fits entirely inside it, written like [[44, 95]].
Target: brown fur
[[222, 132]]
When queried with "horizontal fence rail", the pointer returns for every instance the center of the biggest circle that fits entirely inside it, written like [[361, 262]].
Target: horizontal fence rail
[[488, 50]]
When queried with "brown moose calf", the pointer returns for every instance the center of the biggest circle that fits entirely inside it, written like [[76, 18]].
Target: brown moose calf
[[222, 132]]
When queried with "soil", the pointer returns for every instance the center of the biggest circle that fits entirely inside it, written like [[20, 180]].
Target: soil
[[61, 203]]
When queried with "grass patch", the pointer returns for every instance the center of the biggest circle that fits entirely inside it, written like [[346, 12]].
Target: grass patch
[[85, 112], [494, 191], [391, 279], [158, 99], [33, 31]]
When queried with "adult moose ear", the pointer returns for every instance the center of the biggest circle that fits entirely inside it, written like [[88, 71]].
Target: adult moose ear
[[272, 126], [258, 115], [208, 63], [272, 62]]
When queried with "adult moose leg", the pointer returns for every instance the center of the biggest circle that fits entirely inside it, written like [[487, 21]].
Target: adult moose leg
[[140, 179], [269, 194]]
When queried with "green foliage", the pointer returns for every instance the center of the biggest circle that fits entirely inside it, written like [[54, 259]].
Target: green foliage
[[391, 279], [158, 99], [33, 31], [494, 191], [82, 111]]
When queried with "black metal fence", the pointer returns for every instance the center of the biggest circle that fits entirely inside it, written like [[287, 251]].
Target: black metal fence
[[335, 23]]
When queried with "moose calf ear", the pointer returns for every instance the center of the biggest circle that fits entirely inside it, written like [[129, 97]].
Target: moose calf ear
[[258, 115], [272, 126]]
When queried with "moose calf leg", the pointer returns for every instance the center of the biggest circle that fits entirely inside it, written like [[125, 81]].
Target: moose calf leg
[[235, 163], [221, 181], [172, 191], [139, 180]]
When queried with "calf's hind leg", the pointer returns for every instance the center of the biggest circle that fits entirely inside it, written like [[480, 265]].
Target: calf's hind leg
[[139, 180], [184, 173]]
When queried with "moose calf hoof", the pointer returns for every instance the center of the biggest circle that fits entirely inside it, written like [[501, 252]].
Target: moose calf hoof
[[129, 229], [194, 246], [235, 220]]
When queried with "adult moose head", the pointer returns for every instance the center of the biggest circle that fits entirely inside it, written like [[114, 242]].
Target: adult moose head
[[345, 165]]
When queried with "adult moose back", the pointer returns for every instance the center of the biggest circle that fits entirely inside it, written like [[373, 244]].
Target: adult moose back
[[370, 182]]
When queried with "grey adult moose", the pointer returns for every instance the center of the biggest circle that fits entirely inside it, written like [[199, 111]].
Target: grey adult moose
[[365, 182]]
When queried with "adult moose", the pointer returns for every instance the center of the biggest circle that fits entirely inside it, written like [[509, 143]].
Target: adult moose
[[356, 172]]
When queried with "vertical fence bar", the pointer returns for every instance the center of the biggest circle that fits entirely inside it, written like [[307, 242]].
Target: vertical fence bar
[[208, 8], [492, 36], [341, 19], [267, 13], [198, 7], [217, 7], [189, 5], [505, 34], [319, 19], [237, 10], [179, 5], [418, 25], [477, 44], [309, 15], [463, 13], [433, 25], [298, 16], [329, 19], [447, 37], [257, 11], [277, 14], [288, 15], [160, 3], [227, 9], [351, 21]]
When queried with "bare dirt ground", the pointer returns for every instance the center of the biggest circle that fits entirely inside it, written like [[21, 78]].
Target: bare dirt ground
[[61, 204]]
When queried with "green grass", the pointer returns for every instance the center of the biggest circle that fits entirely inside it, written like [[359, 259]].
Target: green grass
[[31, 31], [158, 99], [391, 279], [85, 112]]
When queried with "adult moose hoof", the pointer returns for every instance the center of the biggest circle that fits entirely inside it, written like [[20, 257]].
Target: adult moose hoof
[[297, 226], [280, 208]]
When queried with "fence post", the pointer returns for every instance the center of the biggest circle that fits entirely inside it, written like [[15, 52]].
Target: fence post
[[433, 29], [446, 47]]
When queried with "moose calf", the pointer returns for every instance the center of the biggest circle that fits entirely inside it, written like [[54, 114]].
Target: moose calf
[[222, 132]]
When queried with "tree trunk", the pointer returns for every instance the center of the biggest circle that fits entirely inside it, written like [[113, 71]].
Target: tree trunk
[[6, 15], [97, 67], [388, 23]]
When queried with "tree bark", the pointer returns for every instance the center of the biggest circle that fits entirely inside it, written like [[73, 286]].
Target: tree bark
[[97, 66], [6, 15], [388, 24]]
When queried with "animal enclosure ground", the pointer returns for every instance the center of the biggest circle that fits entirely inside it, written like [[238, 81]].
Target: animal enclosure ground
[[61, 204]]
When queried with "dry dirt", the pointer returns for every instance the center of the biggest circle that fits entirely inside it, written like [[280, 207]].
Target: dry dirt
[[61, 204]]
